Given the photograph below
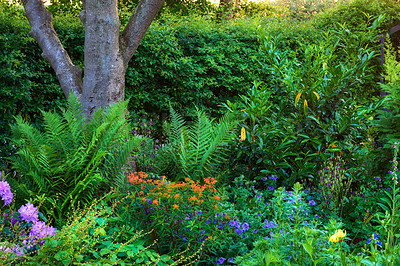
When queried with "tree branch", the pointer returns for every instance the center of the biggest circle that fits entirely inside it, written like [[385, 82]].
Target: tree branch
[[42, 30], [137, 26]]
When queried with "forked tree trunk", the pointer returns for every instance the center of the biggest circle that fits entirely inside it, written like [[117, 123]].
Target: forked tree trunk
[[107, 51]]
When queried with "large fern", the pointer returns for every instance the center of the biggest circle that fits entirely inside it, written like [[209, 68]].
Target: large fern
[[197, 150], [72, 159]]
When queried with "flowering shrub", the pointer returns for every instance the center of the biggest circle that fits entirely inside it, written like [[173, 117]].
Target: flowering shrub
[[22, 231], [178, 213]]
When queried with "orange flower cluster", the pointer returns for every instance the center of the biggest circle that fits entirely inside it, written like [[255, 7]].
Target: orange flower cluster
[[137, 178], [189, 192]]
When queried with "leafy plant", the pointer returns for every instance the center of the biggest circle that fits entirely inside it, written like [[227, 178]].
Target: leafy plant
[[390, 221], [93, 235], [73, 159], [388, 118], [195, 150]]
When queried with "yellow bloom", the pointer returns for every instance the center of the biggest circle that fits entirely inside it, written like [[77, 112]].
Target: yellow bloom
[[243, 134], [340, 234], [334, 239]]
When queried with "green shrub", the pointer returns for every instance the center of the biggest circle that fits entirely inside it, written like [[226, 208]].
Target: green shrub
[[72, 159], [388, 119], [310, 109], [305, 9]]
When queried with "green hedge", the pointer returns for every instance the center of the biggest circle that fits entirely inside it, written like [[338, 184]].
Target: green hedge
[[180, 61]]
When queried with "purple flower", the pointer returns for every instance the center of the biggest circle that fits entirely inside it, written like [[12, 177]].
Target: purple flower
[[40, 230], [17, 250], [150, 123], [221, 261], [245, 226], [255, 231], [231, 260], [29, 213], [312, 202], [5, 192], [270, 187], [269, 224], [238, 231]]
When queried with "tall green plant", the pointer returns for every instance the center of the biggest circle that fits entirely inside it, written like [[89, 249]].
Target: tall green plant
[[196, 150], [391, 205], [389, 118], [72, 158]]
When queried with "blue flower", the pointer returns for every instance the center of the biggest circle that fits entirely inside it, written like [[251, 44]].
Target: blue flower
[[238, 231], [221, 261], [245, 226], [270, 187], [231, 259], [255, 231], [312, 202], [269, 224], [379, 243]]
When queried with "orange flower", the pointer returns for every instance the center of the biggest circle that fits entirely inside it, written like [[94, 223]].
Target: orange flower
[[176, 196], [143, 175], [175, 206], [227, 217], [217, 197], [143, 199], [215, 206], [155, 202], [192, 198]]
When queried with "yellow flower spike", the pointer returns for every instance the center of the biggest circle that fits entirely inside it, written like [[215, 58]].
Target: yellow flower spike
[[243, 134]]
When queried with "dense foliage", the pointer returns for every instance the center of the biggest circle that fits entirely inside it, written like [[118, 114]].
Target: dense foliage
[[73, 159], [281, 148]]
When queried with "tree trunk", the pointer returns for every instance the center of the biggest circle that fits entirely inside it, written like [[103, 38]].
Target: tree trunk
[[107, 52]]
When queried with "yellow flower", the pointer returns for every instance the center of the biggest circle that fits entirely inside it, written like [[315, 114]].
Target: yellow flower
[[334, 239], [340, 234], [243, 134]]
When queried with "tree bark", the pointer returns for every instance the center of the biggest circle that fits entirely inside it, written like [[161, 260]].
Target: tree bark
[[107, 52]]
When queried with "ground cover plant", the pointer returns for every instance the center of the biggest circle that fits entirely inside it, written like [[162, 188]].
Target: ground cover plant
[[269, 143]]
